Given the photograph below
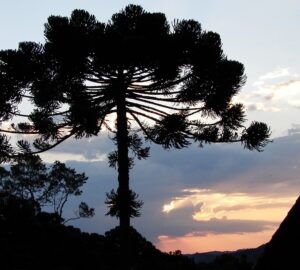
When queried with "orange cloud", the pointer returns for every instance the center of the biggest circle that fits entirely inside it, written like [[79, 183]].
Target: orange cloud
[[236, 206], [247, 220]]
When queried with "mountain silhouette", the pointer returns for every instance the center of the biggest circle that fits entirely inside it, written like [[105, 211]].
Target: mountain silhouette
[[252, 254], [282, 251]]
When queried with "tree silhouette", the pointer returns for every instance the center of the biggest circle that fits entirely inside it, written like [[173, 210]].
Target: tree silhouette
[[171, 83], [29, 179]]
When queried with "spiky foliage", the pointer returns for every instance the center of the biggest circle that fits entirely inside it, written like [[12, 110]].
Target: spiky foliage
[[113, 202]]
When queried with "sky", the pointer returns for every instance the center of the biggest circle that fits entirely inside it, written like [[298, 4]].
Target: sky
[[220, 197]]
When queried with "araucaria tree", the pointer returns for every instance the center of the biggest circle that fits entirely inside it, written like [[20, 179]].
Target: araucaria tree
[[171, 84]]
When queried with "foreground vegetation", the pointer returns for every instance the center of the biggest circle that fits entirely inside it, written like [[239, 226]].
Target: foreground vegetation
[[37, 240]]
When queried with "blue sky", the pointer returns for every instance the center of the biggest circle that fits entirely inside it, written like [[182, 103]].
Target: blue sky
[[263, 35]]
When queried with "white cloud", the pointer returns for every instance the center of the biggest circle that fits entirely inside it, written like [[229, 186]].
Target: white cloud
[[85, 150], [277, 73], [50, 157], [271, 76], [275, 91], [259, 106], [287, 91]]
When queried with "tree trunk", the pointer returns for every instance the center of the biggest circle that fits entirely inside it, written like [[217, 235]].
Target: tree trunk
[[123, 175], [123, 160]]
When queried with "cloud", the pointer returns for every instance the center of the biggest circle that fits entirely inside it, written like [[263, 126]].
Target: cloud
[[86, 149], [275, 91], [286, 84], [259, 106], [282, 90], [220, 226], [277, 171], [181, 223], [272, 76], [50, 157], [294, 130], [210, 205], [274, 97], [277, 73], [226, 226]]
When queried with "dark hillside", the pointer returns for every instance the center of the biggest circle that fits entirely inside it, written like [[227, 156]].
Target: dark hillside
[[282, 252], [31, 240]]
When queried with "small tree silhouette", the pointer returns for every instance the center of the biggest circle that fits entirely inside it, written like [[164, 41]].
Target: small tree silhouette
[[172, 84], [29, 179]]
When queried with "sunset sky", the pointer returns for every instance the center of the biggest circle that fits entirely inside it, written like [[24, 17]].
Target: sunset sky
[[220, 197]]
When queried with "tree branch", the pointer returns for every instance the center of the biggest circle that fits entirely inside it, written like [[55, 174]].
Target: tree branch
[[151, 109], [159, 85], [57, 143], [166, 106], [144, 115], [136, 96], [19, 132], [143, 128], [69, 219]]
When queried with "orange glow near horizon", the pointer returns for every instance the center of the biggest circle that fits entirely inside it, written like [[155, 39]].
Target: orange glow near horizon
[[209, 205], [213, 242]]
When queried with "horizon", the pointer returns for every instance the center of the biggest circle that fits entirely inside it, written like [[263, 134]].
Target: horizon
[[220, 197]]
